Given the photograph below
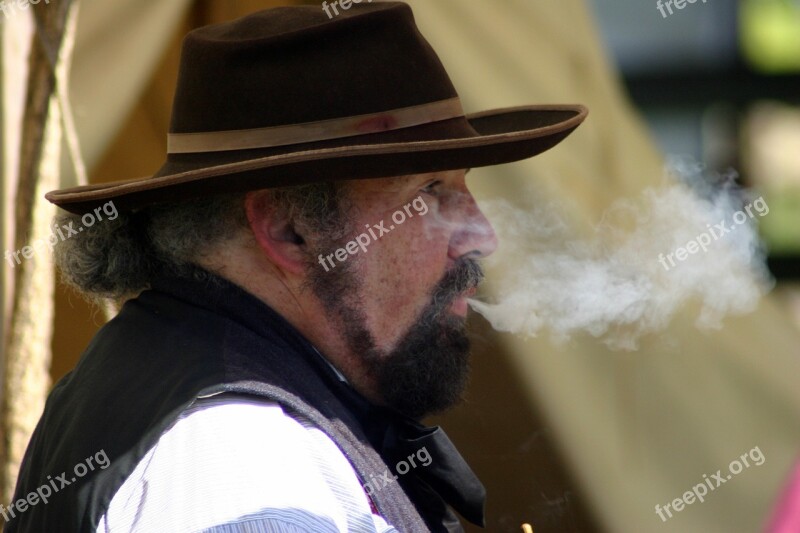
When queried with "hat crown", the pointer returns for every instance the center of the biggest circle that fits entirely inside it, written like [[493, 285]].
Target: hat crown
[[289, 96], [294, 65]]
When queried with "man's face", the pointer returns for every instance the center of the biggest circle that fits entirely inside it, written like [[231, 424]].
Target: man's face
[[400, 301]]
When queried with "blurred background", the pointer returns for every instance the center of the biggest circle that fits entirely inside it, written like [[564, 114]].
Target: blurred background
[[570, 437], [720, 81]]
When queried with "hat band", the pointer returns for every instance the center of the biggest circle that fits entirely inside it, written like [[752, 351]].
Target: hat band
[[323, 130]]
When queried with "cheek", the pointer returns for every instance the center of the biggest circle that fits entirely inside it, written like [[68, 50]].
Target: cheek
[[399, 272], [410, 253]]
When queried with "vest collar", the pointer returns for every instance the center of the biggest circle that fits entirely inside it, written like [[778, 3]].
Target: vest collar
[[393, 435]]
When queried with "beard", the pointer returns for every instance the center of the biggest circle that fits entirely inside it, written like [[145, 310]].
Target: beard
[[428, 369]]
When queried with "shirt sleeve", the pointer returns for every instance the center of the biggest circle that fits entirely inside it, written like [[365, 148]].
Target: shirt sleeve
[[236, 464]]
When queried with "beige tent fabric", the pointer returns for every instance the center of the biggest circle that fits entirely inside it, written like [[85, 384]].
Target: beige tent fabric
[[640, 428], [16, 41], [118, 47], [15, 47], [127, 62], [26, 357]]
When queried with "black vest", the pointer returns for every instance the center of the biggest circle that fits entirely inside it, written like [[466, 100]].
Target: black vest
[[185, 339]]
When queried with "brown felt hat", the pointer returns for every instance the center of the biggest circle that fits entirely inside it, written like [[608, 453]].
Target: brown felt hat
[[293, 95]]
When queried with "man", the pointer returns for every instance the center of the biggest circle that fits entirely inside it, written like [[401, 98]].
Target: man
[[296, 277]]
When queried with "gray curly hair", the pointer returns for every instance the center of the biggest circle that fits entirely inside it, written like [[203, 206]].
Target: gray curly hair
[[119, 258]]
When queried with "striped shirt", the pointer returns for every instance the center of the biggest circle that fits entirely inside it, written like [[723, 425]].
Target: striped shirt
[[240, 464]]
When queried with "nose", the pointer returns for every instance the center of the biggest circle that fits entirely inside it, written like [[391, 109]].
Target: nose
[[473, 235]]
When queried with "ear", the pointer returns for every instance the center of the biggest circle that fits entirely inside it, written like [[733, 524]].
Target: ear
[[274, 233]]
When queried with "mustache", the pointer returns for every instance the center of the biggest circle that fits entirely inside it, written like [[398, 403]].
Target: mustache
[[466, 274]]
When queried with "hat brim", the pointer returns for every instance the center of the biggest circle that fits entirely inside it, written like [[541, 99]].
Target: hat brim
[[504, 136]]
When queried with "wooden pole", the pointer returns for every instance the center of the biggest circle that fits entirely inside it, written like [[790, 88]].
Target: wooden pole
[[26, 343]]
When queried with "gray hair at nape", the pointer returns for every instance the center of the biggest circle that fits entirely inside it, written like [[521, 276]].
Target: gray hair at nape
[[117, 259]]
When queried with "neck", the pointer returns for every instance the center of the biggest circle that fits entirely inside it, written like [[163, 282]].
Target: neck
[[300, 307]]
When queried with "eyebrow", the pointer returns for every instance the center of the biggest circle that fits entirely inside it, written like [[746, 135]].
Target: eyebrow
[[402, 181]]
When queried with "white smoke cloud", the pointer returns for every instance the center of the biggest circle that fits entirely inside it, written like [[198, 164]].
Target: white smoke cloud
[[619, 284]]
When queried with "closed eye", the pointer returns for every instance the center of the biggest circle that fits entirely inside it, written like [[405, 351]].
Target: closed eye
[[431, 188]]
